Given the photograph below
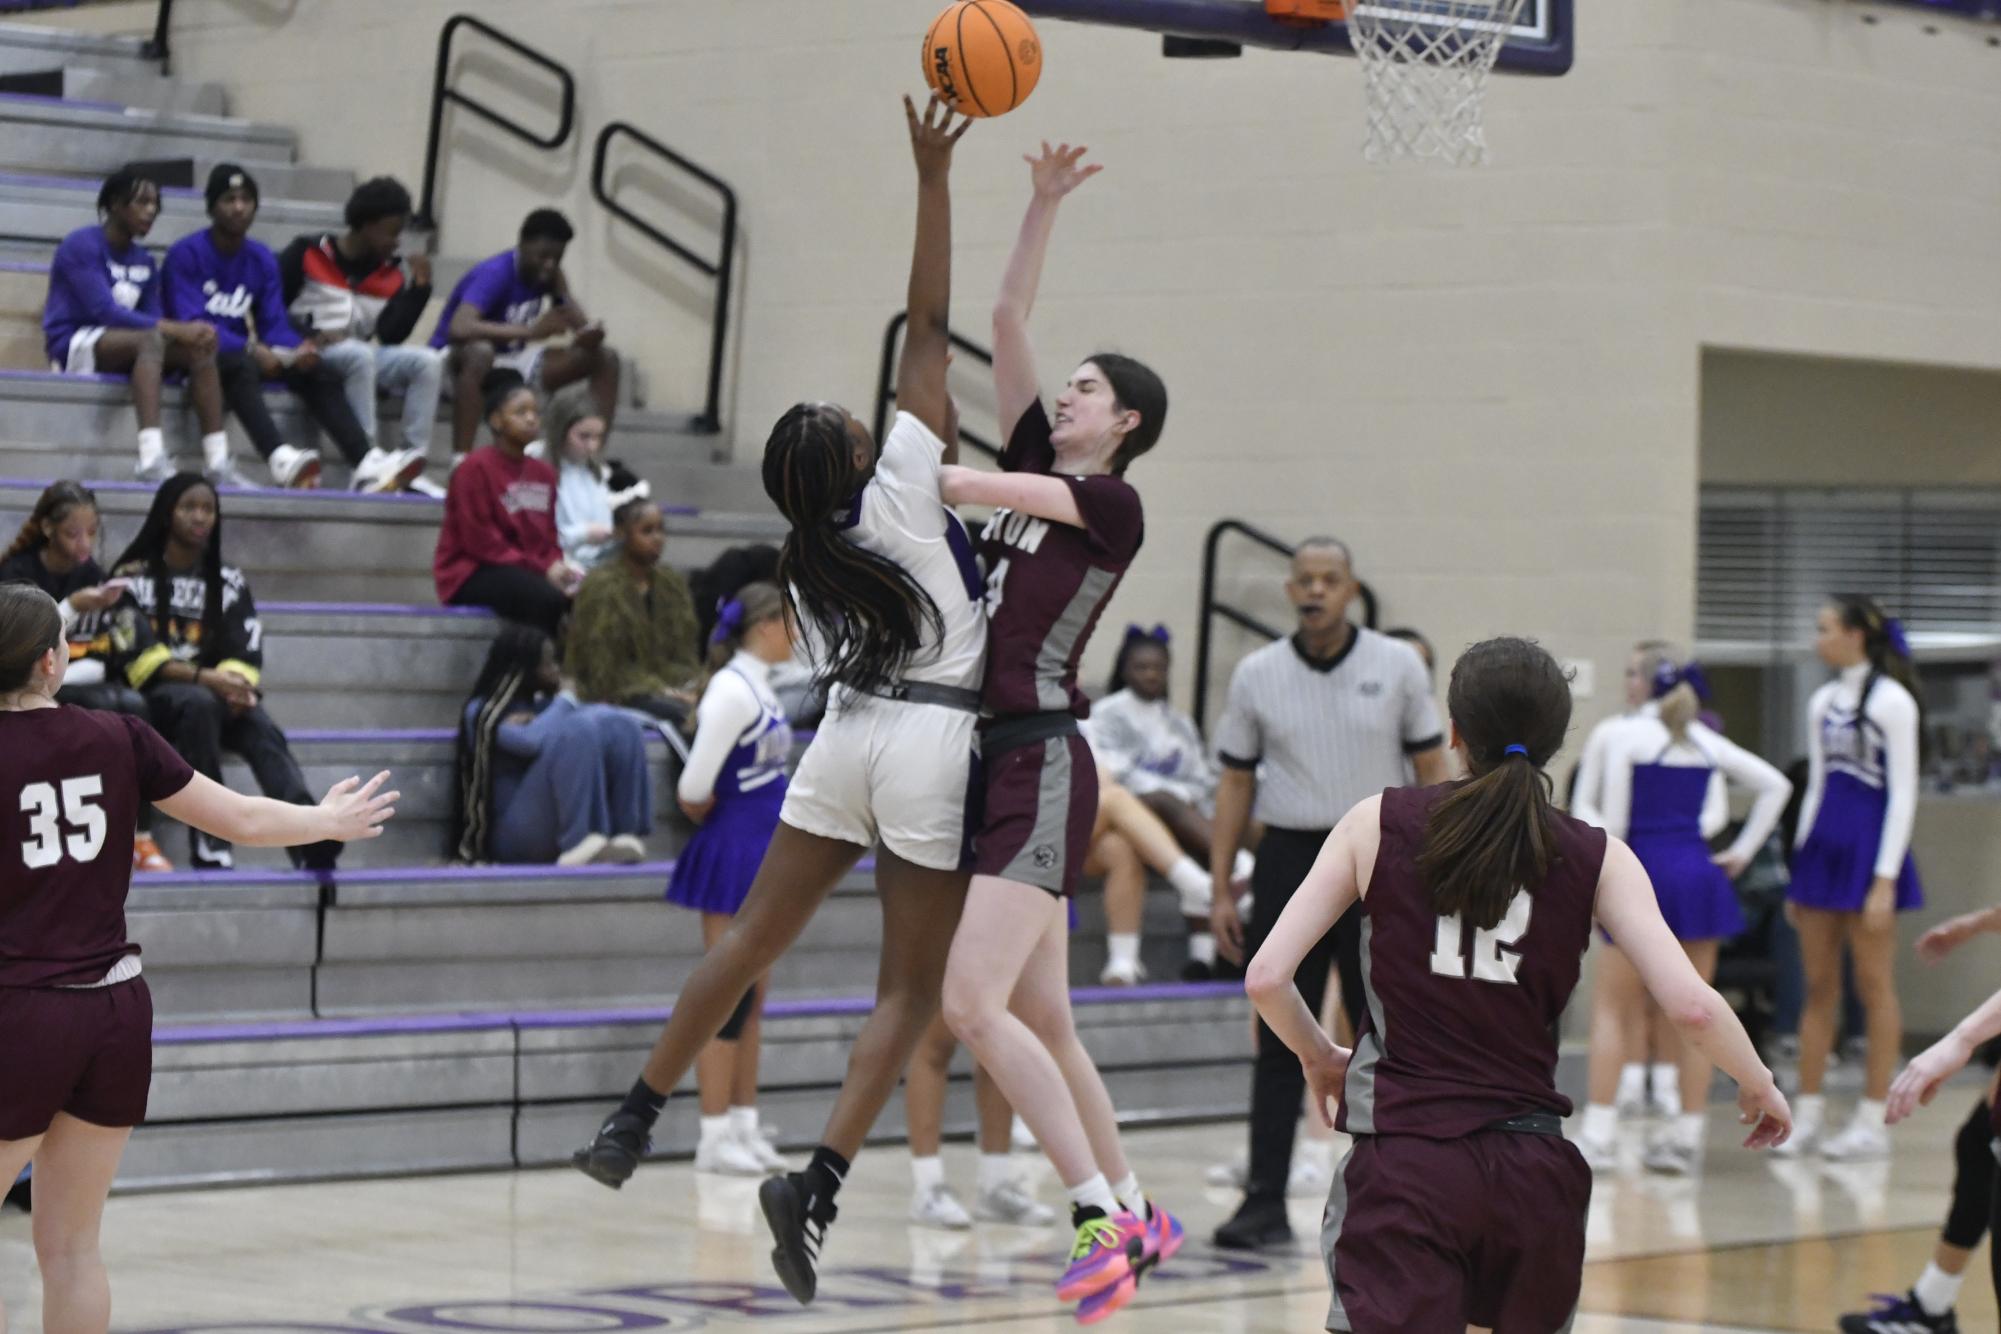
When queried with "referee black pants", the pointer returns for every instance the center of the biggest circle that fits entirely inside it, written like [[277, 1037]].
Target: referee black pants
[[1277, 1083]]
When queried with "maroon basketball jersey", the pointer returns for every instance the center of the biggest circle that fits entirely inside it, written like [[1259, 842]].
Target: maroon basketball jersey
[[71, 784], [1047, 583], [1460, 1026]]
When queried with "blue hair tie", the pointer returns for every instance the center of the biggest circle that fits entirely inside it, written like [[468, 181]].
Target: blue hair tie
[[1900, 643], [1158, 634], [1516, 749], [729, 620], [1669, 675]]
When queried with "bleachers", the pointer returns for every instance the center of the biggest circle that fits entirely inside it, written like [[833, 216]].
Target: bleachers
[[408, 1014]]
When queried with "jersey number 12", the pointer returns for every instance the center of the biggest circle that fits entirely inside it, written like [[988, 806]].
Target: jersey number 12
[[1495, 958], [79, 810]]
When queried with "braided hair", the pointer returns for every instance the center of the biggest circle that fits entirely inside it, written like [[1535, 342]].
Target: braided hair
[[505, 679], [867, 613], [148, 549]]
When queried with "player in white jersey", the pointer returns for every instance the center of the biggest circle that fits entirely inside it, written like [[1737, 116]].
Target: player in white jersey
[[885, 586]]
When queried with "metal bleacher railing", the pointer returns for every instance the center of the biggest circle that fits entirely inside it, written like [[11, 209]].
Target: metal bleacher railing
[[885, 381], [443, 94]]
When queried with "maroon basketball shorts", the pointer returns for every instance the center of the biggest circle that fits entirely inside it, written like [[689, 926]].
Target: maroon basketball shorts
[[1041, 801], [88, 1052], [1427, 1236]]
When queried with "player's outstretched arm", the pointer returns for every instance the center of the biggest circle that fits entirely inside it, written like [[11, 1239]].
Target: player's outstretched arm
[[1628, 910], [1035, 494], [920, 374], [350, 811], [1928, 1071], [1055, 174]]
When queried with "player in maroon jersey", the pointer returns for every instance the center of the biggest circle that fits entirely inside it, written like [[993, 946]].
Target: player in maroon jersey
[[76, 1020], [1461, 1204], [1067, 525]]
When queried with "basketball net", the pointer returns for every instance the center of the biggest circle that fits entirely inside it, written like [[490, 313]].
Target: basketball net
[[1424, 69]]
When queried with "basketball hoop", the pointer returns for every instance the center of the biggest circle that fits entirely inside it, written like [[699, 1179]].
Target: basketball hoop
[[1424, 68]]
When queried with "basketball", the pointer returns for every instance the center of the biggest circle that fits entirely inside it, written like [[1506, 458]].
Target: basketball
[[982, 57]]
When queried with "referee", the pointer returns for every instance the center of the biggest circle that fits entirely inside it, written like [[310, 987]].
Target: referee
[[1314, 724]]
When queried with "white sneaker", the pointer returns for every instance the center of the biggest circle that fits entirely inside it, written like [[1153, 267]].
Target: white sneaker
[[939, 1207], [1021, 1137], [294, 467], [585, 852], [1665, 1104], [1857, 1144], [1670, 1155], [1307, 1180], [766, 1153], [383, 470], [623, 850], [227, 474], [1117, 974], [1232, 1174], [726, 1155], [1011, 1203], [1805, 1139], [159, 470], [424, 486], [1599, 1155]]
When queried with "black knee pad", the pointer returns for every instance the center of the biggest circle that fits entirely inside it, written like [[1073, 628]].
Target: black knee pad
[[1972, 1180], [732, 1028]]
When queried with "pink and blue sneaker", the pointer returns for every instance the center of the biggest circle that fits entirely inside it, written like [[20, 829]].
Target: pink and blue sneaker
[[1103, 1257], [1164, 1235]]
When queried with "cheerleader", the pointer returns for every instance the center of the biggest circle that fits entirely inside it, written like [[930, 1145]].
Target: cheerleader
[[732, 787], [1852, 873], [1660, 766]]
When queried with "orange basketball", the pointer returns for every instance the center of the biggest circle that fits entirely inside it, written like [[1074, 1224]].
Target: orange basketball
[[982, 57]]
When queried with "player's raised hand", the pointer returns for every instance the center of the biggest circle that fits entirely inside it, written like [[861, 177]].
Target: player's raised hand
[[357, 810], [1058, 171], [1927, 1072], [1765, 1111], [933, 136]]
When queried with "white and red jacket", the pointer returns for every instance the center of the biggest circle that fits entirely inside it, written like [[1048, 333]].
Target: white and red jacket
[[327, 293]]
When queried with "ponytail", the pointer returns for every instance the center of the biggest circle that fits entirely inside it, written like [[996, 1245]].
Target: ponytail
[[1495, 834], [736, 617], [1678, 709], [1680, 690], [54, 505], [1884, 641], [867, 612]]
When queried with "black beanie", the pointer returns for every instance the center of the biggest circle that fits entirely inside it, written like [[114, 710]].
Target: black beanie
[[228, 176]]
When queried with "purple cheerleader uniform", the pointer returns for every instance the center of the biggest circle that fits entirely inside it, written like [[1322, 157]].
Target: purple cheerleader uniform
[[713, 873], [1665, 833], [1835, 865]]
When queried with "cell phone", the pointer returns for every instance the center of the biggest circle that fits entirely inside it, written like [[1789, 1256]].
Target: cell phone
[[120, 585]]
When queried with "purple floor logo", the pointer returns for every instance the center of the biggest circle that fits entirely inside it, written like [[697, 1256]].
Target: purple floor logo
[[694, 1304]]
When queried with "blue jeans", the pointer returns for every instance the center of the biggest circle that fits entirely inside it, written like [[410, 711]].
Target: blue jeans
[[590, 778], [367, 369]]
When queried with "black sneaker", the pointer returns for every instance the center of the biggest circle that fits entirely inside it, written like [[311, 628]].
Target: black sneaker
[[1194, 970], [1898, 1315], [614, 1152], [1257, 1224], [799, 1225], [21, 1195]]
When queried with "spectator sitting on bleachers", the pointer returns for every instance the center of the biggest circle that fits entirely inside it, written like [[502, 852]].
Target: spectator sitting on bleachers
[[502, 312], [633, 640], [541, 777], [56, 552], [202, 674], [103, 316], [588, 488], [348, 293], [497, 546], [224, 276]]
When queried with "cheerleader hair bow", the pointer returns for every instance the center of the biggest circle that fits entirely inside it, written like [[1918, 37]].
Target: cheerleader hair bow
[[729, 620], [1157, 635], [1669, 675], [1893, 633]]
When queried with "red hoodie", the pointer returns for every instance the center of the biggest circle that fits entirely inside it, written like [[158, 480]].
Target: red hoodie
[[499, 511]]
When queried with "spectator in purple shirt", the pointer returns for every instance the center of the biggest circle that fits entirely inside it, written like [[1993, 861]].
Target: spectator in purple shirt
[[103, 316], [225, 278], [503, 312]]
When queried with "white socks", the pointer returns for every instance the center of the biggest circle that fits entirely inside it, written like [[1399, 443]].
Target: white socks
[[1126, 1190], [1632, 1083], [1122, 949], [1689, 1128], [927, 1173], [996, 1170], [1202, 947], [1871, 1113], [1809, 1114], [1191, 881], [1601, 1122], [1664, 1080], [214, 449], [1936, 1290], [1094, 1193], [152, 445], [743, 1120], [715, 1128]]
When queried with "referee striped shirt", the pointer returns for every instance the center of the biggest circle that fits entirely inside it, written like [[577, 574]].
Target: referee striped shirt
[[1324, 734]]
